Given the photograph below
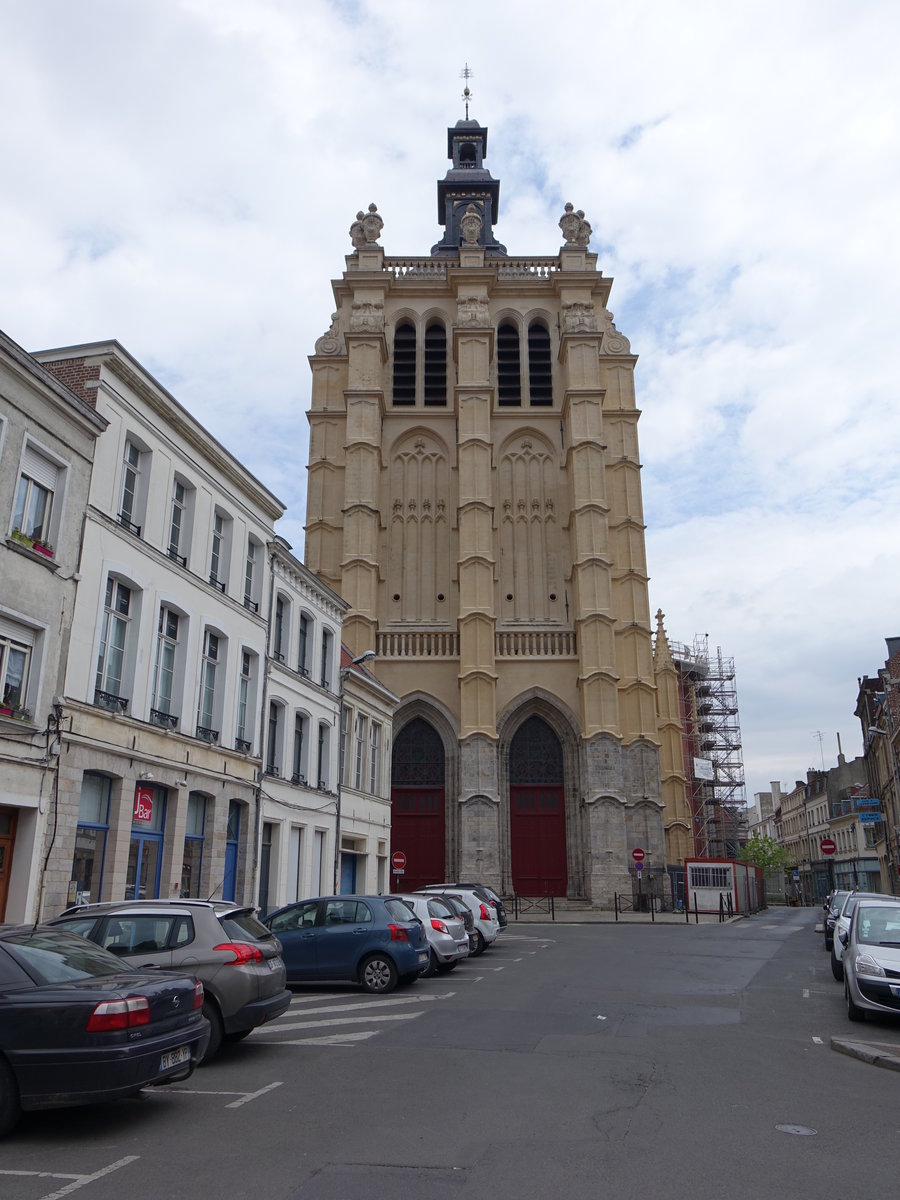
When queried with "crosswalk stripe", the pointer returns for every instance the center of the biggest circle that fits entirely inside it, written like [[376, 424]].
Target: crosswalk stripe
[[331, 1039], [383, 1003]]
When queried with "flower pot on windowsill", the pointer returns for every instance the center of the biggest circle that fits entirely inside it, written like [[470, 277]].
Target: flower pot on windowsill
[[41, 548], [5, 710]]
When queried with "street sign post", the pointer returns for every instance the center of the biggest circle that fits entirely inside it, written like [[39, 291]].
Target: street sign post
[[398, 861], [637, 854], [828, 846], [639, 866]]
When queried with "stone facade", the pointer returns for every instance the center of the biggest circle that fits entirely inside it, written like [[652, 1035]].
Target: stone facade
[[474, 495]]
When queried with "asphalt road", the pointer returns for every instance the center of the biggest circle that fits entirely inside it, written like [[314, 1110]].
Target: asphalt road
[[595, 1060]]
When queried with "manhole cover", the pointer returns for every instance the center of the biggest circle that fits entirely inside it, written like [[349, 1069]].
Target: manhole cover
[[799, 1130]]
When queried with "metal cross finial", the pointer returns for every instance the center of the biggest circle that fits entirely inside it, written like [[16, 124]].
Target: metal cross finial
[[466, 74]]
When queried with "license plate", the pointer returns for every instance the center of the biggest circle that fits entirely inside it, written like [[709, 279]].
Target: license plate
[[275, 963], [174, 1057], [423, 957]]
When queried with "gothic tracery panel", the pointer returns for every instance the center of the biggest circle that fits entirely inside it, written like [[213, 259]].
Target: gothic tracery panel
[[530, 575], [419, 581]]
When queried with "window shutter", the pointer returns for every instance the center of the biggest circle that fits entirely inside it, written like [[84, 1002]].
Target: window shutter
[[40, 469], [16, 633]]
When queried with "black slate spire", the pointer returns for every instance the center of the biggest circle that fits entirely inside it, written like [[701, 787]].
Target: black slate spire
[[467, 183]]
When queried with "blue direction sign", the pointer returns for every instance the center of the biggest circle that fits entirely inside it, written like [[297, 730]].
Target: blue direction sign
[[866, 802], [870, 818]]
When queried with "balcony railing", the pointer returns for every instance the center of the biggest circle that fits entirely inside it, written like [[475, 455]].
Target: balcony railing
[[163, 719], [205, 734], [220, 587], [417, 645], [181, 559], [298, 778], [304, 671], [242, 745], [126, 522], [271, 769], [536, 643], [278, 656], [111, 701], [251, 604]]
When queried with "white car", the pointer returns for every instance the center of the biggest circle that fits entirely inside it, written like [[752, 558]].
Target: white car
[[872, 959], [487, 927], [445, 930], [842, 922]]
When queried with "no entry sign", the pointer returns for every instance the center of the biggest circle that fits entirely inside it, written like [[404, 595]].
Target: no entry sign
[[398, 860], [637, 854], [828, 846]]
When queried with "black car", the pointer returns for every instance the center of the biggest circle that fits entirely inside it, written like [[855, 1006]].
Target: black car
[[831, 915], [78, 1027]]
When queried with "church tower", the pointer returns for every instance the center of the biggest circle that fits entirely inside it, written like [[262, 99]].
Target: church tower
[[475, 496]]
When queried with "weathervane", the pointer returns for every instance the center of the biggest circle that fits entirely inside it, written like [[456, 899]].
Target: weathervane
[[466, 74]]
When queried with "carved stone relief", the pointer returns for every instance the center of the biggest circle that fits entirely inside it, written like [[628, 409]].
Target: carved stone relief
[[575, 229], [332, 342]]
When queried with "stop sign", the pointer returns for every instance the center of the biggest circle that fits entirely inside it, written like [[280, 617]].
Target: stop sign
[[637, 854], [828, 846], [398, 860]]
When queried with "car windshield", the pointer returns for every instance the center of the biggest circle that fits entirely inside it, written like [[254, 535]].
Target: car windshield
[[879, 926], [838, 900], [61, 957], [242, 926], [399, 910]]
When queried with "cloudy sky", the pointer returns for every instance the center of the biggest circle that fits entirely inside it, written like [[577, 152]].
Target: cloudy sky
[[181, 175]]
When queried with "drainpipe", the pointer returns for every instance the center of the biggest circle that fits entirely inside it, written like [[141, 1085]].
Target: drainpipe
[[260, 771]]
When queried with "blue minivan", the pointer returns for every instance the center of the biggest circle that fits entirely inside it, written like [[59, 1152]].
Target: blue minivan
[[375, 941]]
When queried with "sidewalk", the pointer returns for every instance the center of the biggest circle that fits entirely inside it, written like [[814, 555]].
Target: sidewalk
[[596, 916]]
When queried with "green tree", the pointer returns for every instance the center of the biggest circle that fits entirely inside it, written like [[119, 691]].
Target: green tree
[[763, 851]]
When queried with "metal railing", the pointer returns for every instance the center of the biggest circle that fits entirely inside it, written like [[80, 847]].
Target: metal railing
[[111, 701], [205, 734], [163, 719], [526, 905]]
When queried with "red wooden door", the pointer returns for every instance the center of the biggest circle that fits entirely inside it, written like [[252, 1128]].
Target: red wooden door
[[537, 811], [417, 828], [7, 842], [417, 806], [538, 839]]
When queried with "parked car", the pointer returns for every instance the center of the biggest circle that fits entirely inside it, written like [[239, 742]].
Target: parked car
[[487, 927], [831, 915], [465, 914], [232, 953], [872, 959], [842, 923], [444, 928], [492, 897], [375, 941], [77, 1026]]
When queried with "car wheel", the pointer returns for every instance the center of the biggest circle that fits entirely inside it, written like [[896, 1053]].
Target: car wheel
[[443, 968], [478, 938], [837, 967], [378, 974], [9, 1098], [238, 1036], [216, 1031], [854, 1012], [433, 966]]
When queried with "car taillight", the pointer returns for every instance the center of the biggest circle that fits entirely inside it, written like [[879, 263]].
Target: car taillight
[[198, 994], [110, 1015], [485, 915], [398, 933], [243, 952], [439, 925]]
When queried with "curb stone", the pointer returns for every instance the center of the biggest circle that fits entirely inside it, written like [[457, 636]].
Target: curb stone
[[878, 1054]]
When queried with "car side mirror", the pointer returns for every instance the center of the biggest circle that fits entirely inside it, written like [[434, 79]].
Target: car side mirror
[[844, 938]]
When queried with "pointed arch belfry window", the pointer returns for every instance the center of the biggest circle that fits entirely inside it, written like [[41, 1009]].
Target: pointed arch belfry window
[[435, 392], [540, 385], [509, 379], [404, 380]]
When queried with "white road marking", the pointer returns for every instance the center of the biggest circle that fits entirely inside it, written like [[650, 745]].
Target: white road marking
[[77, 1181], [806, 993], [358, 1004], [253, 1095], [331, 1039], [517, 960], [600, 1018], [818, 1041], [337, 1021], [318, 996]]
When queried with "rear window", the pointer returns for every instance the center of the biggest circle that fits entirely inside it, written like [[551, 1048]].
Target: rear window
[[61, 957], [244, 927], [399, 911], [440, 908]]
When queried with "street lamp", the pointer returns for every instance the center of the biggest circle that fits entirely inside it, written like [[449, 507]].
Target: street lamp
[[366, 656]]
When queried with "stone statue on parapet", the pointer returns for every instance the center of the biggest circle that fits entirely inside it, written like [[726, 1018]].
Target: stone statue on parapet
[[366, 229], [576, 230]]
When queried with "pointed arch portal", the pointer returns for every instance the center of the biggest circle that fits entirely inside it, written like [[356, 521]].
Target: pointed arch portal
[[417, 805], [537, 811]]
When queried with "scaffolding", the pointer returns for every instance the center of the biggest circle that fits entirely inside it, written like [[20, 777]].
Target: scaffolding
[[711, 743]]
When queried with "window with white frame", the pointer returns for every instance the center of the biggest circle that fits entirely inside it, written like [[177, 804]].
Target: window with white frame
[[208, 702], [252, 575], [16, 646], [327, 667], [274, 739], [281, 628], [166, 668], [134, 483], [246, 686], [295, 859], [298, 774], [359, 750], [303, 654], [220, 550], [194, 835], [39, 483], [111, 678], [374, 757], [344, 750], [181, 521], [322, 757]]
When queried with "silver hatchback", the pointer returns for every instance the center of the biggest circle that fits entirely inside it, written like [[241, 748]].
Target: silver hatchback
[[236, 958], [448, 940]]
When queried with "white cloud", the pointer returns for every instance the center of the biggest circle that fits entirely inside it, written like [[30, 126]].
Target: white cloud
[[182, 176]]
